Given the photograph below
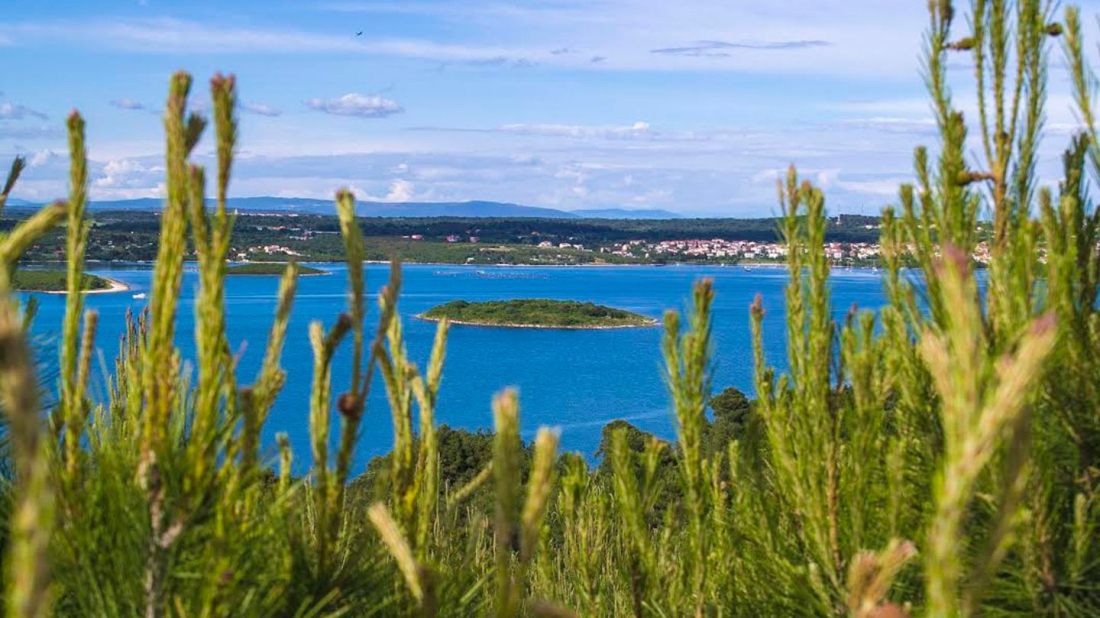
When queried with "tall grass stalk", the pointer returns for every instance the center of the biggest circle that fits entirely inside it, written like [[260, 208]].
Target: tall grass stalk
[[936, 456]]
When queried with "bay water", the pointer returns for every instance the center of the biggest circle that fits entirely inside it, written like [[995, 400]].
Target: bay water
[[575, 380]]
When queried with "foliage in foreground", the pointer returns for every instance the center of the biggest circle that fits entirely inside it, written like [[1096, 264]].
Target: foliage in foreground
[[937, 457]]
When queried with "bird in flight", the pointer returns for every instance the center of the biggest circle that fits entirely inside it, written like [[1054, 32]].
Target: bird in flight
[[360, 33]]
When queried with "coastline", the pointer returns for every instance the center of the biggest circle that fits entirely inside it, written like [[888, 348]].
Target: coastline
[[116, 286], [320, 274], [230, 266], [472, 265], [650, 324]]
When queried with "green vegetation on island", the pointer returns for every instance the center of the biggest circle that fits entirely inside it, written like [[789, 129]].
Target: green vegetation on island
[[54, 281], [536, 313], [270, 268]]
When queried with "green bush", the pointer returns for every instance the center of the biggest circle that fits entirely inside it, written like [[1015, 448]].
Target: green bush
[[936, 457], [539, 312], [53, 281]]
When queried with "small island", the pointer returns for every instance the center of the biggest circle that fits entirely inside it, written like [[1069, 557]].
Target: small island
[[536, 313], [271, 268], [56, 282]]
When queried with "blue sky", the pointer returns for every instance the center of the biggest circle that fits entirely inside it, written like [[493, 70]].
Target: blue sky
[[686, 105]]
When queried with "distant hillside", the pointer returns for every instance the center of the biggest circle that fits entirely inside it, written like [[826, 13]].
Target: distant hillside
[[625, 213], [476, 208], [458, 209], [363, 209]]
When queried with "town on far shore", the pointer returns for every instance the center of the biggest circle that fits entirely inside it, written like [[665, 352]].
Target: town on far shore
[[129, 235]]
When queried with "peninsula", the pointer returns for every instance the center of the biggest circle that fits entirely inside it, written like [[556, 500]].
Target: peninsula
[[56, 282], [271, 268], [536, 313]]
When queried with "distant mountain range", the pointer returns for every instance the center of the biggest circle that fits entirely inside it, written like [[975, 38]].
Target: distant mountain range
[[386, 209]]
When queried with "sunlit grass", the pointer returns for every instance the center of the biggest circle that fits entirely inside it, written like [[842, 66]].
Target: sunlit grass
[[936, 457]]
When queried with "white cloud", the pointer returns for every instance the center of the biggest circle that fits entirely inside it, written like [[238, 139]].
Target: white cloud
[[400, 191], [917, 106], [767, 175], [355, 104], [130, 104], [128, 174], [793, 36], [633, 131], [260, 109], [896, 125], [826, 178], [725, 49], [15, 111], [42, 157], [641, 131], [886, 187], [40, 132], [565, 174], [797, 36], [164, 35]]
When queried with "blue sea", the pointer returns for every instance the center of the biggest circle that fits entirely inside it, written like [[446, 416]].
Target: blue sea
[[575, 380]]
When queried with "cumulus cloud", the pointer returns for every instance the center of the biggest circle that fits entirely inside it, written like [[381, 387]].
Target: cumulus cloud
[[15, 111], [260, 109], [723, 49], [355, 104], [128, 174], [713, 177], [400, 191], [43, 157]]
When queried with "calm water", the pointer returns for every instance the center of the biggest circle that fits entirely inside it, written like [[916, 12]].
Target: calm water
[[575, 380]]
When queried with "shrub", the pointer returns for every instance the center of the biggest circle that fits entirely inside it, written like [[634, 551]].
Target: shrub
[[937, 457]]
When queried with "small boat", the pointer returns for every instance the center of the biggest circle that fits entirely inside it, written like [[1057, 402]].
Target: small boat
[[139, 295]]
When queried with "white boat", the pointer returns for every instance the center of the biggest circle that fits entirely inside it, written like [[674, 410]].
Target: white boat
[[139, 295]]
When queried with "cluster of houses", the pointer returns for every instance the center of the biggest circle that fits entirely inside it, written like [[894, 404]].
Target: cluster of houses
[[720, 249], [546, 244], [269, 250]]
